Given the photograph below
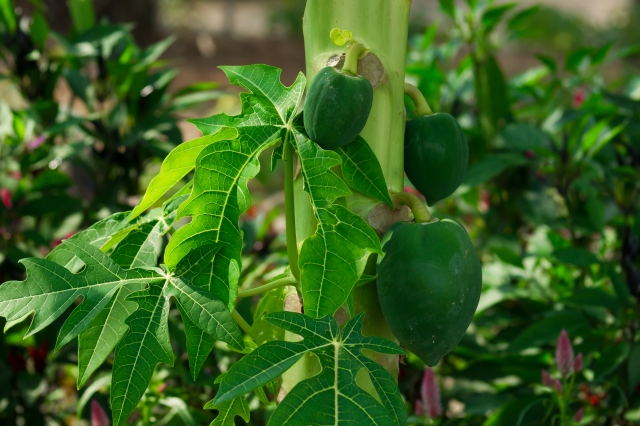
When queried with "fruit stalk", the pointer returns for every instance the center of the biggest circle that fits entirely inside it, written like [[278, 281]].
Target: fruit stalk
[[422, 106], [351, 57]]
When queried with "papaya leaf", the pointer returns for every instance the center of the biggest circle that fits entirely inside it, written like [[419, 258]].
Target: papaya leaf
[[220, 192], [138, 249], [200, 306], [199, 344], [147, 341], [333, 259], [332, 397], [50, 289], [227, 411], [145, 345], [269, 104], [362, 172], [176, 166], [96, 235]]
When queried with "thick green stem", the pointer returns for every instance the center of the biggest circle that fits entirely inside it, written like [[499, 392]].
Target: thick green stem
[[269, 286], [422, 106], [381, 25], [242, 323], [420, 211], [290, 214], [351, 56]]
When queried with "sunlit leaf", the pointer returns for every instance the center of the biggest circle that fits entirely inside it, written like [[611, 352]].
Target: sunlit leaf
[[332, 397]]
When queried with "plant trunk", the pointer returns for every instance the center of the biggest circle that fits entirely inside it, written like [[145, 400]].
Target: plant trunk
[[382, 26]]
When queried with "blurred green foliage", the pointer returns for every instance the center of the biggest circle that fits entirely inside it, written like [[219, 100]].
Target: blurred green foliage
[[551, 199], [84, 116]]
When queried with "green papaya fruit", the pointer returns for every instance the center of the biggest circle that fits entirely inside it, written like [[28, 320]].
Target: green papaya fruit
[[337, 107], [436, 155], [429, 283]]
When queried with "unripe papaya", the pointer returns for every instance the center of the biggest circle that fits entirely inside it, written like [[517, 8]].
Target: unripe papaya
[[337, 107], [436, 155], [429, 283]]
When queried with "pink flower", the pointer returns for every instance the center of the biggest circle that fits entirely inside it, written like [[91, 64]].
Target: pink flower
[[546, 379], [578, 416], [430, 394], [98, 416], [5, 195], [419, 410], [36, 142], [564, 354], [558, 386], [578, 98], [577, 364]]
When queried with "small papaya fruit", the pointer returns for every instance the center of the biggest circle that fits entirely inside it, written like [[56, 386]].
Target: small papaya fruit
[[429, 283], [337, 107], [436, 155]]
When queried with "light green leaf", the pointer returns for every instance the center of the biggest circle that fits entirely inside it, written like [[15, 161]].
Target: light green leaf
[[333, 259], [104, 332], [199, 343], [39, 30], [82, 14], [200, 306], [97, 235], [340, 37], [220, 192], [269, 104], [8, 16], [332, 397], [176, 166], [50, 289], [362, 172], [227, 411], [138, 249], [145, 345]]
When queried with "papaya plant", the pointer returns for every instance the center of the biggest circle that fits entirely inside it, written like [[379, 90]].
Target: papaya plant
[[331, 352]]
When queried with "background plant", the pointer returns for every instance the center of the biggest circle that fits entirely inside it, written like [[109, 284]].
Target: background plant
[[550, 202]]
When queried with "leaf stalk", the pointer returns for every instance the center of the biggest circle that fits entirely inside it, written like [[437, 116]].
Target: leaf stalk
[[352, 54], [290, 212], [244, 325], [266, 287]]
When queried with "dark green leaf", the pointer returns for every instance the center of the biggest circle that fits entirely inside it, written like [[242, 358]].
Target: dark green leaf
[[362, 172], [577, 256], [332, 259], [548, 330], [490, 167]]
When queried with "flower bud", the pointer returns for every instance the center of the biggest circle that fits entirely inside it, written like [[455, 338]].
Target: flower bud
[[578, 416], [98, 416], [558, 386], [564, 354], [577, 364], [430, 394], [546, 379]]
